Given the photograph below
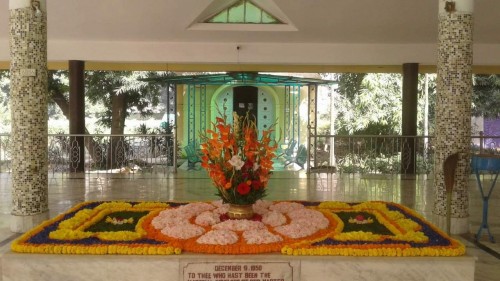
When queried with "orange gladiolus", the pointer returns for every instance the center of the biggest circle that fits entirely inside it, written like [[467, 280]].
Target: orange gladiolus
[[239, 143]]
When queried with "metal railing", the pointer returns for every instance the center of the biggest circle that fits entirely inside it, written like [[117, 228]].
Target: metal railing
[[156, 155], [132, 155], [368, 154]]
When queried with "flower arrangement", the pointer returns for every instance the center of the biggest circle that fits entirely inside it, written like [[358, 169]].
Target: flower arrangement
[[237, 161], [292, 227]]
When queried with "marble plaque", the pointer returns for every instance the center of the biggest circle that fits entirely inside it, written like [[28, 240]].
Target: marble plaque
[[238, 271]]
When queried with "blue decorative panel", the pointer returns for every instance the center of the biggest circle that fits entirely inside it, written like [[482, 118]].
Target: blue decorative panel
[[266, 110], [224, 104]]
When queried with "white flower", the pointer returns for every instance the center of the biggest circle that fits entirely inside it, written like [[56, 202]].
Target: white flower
[[295, 230], [274, 218], [218, 237], [286, 207], [194, 209], [261, 206], [170, 218], [207, 218], [184, 231], [236, 162], [260, 236], [239, 225], [256, 166]]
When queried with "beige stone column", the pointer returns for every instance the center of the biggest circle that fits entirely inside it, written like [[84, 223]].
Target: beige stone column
[[453, 109], [28, 102]]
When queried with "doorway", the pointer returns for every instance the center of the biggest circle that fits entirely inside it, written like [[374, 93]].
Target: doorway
[[245, 101]]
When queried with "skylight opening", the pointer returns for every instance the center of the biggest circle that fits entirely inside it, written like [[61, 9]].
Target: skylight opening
[[244, 12]]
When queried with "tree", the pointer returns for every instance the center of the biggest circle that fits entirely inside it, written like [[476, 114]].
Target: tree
[[4, 73], [431, 114], [4, 101], [486, 96], [350, 84], [349, 87], [369, 104], [121, 92], [4, 90], [58, 87]]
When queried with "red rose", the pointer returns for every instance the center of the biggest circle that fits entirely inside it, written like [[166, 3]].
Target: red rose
[[243, 188], [248, 165], [360, 218], [256, 184]]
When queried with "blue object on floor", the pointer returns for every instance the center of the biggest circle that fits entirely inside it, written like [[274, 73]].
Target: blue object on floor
[[193, 157], [488, 163]]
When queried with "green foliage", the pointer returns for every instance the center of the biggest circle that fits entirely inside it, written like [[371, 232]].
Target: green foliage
[[431, 87], [58, 87], [373, 163], [368, 104], [4, 101], [369, 163], [486, 97], [425, 163], [4, 88], [164, 142], [58, 81], [139, 96], [384, 164], [350, 84], [375, 227]]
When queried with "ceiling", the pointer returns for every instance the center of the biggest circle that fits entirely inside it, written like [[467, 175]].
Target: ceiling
[[328, 32]]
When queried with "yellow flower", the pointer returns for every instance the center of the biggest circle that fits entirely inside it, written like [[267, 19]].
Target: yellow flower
[[150, 205], [334, 205]]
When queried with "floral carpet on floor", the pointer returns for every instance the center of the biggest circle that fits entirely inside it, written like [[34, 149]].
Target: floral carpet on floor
[[288, 227]]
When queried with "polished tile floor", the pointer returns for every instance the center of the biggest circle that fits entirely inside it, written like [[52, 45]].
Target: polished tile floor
[[416, 192]]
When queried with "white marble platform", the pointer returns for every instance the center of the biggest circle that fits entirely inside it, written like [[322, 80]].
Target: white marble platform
[[416, 193], [15, 266]]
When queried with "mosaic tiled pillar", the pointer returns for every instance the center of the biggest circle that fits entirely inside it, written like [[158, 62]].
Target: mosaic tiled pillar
[[28, 70], [453, 109]]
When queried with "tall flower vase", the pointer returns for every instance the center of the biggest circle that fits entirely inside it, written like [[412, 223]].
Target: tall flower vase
[[238, 212]]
